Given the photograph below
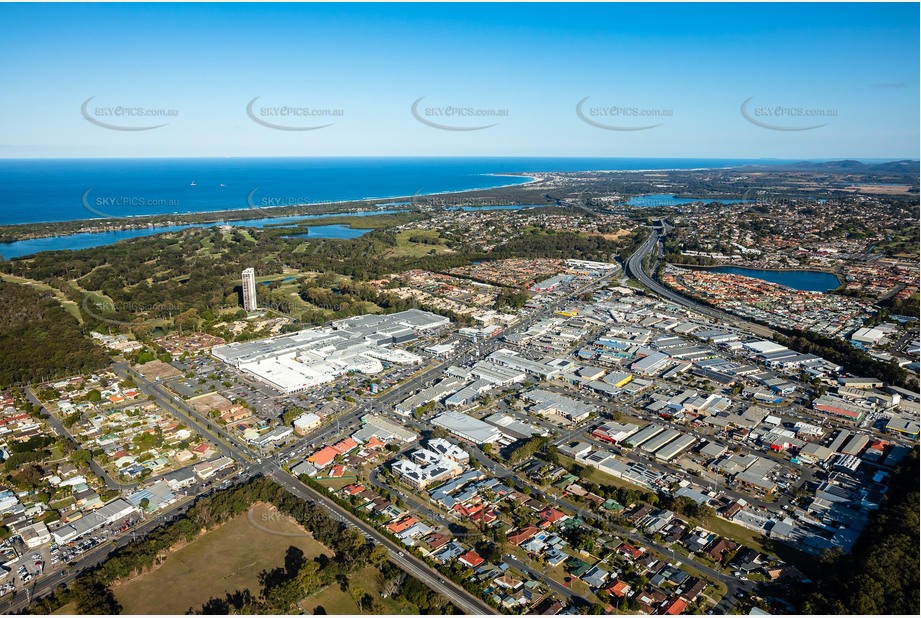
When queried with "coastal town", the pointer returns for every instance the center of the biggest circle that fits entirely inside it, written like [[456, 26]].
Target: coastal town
[[536, 435]]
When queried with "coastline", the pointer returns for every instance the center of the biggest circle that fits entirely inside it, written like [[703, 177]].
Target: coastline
[[93, 225]]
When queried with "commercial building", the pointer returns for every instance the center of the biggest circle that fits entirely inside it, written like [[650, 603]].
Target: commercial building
[[424, 466], [249, 290], [376, 426], [548, 285], [109, 513], [547, 402], [614, 432], [436, 392], [155, 496], [298, 361], [271, 437], [513, 360], [306, 422], [34, 535], [207, 469]]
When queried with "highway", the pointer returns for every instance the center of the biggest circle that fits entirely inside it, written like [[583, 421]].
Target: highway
[[634, 268]]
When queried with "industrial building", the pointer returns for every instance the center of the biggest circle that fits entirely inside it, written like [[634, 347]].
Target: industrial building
[[467, 427], [658, 441], [675, 448]]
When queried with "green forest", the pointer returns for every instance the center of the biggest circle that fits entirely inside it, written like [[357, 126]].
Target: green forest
[[39, 339]]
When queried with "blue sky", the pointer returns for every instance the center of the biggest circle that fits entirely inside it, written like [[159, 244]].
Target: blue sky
[[852, 68]]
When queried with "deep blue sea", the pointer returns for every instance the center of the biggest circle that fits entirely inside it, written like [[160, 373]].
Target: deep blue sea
[[38, 190], [50, 190]]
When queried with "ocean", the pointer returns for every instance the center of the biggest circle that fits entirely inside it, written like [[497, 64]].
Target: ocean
[[49, 190]]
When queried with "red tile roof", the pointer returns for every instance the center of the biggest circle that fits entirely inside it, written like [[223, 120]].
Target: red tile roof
[[471, 559]]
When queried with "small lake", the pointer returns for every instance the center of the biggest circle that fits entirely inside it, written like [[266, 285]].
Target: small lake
[[661, 200], [804, 280], [88, 240], [341, 232]]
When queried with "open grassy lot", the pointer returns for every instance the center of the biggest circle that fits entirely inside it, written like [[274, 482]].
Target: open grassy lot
[[335, 600], [223, 560], [410, 248]]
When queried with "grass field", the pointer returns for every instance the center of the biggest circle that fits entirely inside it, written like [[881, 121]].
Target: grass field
[[223, 560]]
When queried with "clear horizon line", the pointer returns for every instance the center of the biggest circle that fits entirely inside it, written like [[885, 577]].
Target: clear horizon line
[[915, 158]]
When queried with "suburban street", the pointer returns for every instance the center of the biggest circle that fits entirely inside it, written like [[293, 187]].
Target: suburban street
[[254, 463]]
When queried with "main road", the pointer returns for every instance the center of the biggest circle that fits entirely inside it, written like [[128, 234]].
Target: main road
[[465, 601]]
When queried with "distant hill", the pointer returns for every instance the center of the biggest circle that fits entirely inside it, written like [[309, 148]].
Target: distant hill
[[851, 166], [905, 166]]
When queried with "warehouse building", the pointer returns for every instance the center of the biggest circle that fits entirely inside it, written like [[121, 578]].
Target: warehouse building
[[839, 407], [644, 434], [675, 448], [467, 427], [658, 441]]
